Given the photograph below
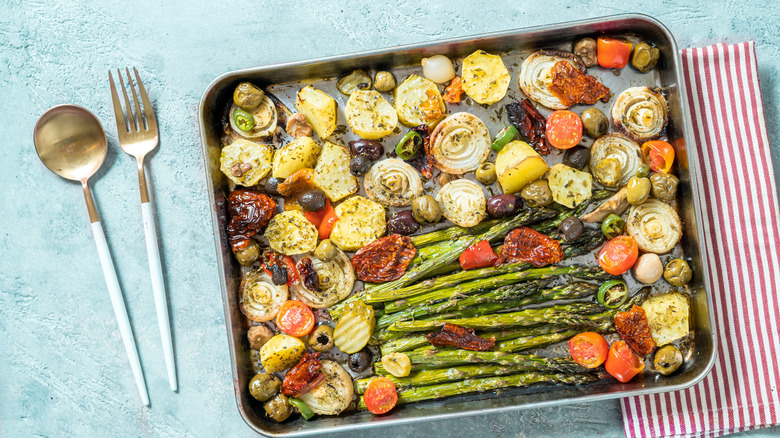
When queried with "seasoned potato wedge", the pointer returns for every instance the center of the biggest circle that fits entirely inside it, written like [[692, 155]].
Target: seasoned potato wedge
[[369, 114], [668, 316], [295, 155], [319, 109], [289, 232], [417, 100], [568, 185], [361, 221], [281, 352], [485, 77], [246, 162], [332, 172], [517, 165]]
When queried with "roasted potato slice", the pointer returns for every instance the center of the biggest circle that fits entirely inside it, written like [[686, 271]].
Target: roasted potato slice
[[332, 172], [319, 109], [369, 114], [417, 100], [290, 233], [484, 77], [569, 186], [298, 154], [361, 221], [246, 162]]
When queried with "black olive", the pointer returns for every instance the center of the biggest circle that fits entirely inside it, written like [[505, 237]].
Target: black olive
[[577, 157], [402, 223], [372, 149], [272, 186], [359, 164], [503, 205], [571, 228], [360, 361], [278, 275], [312, 200]]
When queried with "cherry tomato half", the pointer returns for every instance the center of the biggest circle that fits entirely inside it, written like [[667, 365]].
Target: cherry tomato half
[[613, 52], [622, 363], [380, 395], [564, 129], [618, 255], [295, 318], [589, 349], [659, 155]]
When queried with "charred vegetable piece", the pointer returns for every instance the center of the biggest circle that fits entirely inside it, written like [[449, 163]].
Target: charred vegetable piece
[[409, 145], [612, 294], [677, 272], [263, 386], [486, 173], [460, 337], [354, 327], [571, 228], [613, 226], [302, 407], [360, 361], [250, 213], [573, 87], [645, 57], [303, 376], [668, 359], [633, 327], [526, 245], [397, 364], [372, 149], [355, 80], [321, 338], [278, 408], [308, 274], [537, 194], [622, 363], [586, 50], [530, 122], [594, 122], [403, 223], [384, 81], [577, 157], [384, 259], [426, 210], [248, 97]]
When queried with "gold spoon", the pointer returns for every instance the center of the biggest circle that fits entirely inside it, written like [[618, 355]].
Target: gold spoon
[[71, 143]]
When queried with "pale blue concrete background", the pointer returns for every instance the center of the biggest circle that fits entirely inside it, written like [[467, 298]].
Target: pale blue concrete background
[[63, 371]]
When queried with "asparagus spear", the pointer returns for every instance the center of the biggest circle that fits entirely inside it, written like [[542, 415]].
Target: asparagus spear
[[451, 233], [449, 357]]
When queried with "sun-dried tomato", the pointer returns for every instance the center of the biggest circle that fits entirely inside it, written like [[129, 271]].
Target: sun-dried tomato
[[574, 87], [531, 124], [461, 337], [454, 91], [423, 162], [431, 108], [526, 245], [249, 214], [633, 327], [384, 259], [303, 376], [308, 274]]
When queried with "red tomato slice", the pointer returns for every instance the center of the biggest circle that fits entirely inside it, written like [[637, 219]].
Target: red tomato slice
[[564, 129], [478, 255], [622, 363], [618, 255], [589, 349], [380, 395], [659, 155], [613, 52], [295, 318]]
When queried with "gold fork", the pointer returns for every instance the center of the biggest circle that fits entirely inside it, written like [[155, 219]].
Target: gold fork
[[138, 136]]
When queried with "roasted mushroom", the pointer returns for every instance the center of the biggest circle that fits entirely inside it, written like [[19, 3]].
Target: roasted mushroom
[[586, 50], [247, 97], [258, 335], [298, 126]]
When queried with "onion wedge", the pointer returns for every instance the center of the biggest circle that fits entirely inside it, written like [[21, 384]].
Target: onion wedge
[[260, 299], [641, 113], [332, 395], [655, 226], [459, 144]]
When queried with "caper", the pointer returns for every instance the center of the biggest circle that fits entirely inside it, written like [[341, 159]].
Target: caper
[[426, 210], [248, 255], [677, 272], [486, 173], [664, 186], [645, 57], [638, 190], [263, 386], [537, 194], [384, 81], [594, 122], [247, 96], [325, 251], [321, 338], [668, 359]]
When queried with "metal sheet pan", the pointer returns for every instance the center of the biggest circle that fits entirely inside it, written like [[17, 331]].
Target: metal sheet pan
[[513, 45]]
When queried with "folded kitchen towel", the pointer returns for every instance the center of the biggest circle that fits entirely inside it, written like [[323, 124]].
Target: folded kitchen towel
[[736, 186]]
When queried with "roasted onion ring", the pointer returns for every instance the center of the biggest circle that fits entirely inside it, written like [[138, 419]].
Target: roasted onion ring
[[641, 113], [459, 144], [260, 299], [336, 278], [393, 182], [655, 226], [535, 76], [462, 202], [621, 148], [265, 116]]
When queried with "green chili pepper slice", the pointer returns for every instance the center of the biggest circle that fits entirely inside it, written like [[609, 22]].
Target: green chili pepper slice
[[409, 145], [244, 121], [613, 226], [612, 294], [302, 407], [504, 137]]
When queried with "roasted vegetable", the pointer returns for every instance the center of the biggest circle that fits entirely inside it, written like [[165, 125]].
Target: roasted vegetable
[[677, 272], [526, 245], [622, 363], [281, 352], [393, 182], [263, 386], [586, 50], [249, 213], [462, 202], [659, 155], [504, 136], [655, 225], [247, 97], [564, 129], [332, 173], [384, 81], [641, 113], [335, 279], [258, 122], [613, 52], [613, 226], [569, 186], [319, 109], [369, 115], [312, 200], [537, 194], [298, 126], [278, 408], [594, 122], [418, 101], [634, 328], [664, 186], [637, 190], [484, 77], [454, 91], [426, 210], [410, 143], [612, 294], [573, 86], [290, 233], [589, 349], [577, 157], [354, 81], [360, 222], [384, 259], [354, 327], [486, 173], [618, 255], [249, 254], [614, 158], [246, 162], [260, 299], [645, 57], [536, 76], [438, 68], [359, 165], [531, 124], [403, 223], [258, 335], [616, 204], [298, 154], [668, 317], [460, 337], [668, 359], [459, 143], [380, 396], [478, 255], [303, 376], [321, 338], [648, 269], [360, 361], [517, 165], [397, 364]]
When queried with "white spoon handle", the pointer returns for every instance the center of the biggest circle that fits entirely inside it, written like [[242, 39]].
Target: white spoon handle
[[118, 302], [158, 287]]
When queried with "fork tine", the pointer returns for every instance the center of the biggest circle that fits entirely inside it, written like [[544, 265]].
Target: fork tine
[[118, 114], [135, 100], [151, 121], [130, 117]]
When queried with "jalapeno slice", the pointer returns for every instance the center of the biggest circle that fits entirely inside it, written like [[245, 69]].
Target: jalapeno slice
[[302, 407], [503, 137], [613, 226], [409, 145], [612, 294], [244, 121]]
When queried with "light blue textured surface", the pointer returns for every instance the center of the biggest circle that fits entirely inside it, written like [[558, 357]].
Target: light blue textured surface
[[63, 371]]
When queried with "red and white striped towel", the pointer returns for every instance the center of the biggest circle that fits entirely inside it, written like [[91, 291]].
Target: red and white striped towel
[[740, 220]]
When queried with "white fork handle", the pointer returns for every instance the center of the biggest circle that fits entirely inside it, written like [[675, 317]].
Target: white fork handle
[[158, 287], [118, 302]]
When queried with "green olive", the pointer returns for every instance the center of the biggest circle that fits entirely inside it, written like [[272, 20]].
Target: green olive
[[607, 172], [645, 57], [384, 81], [537, 194], [325, 251], [664, 186], [248, 255], [278, 408], [677, 272], [638, 190], [426, 210], [247, 96], [643, 171], [263, 386], [668, 359], [594, 122], [486, 173], [321, 338]]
